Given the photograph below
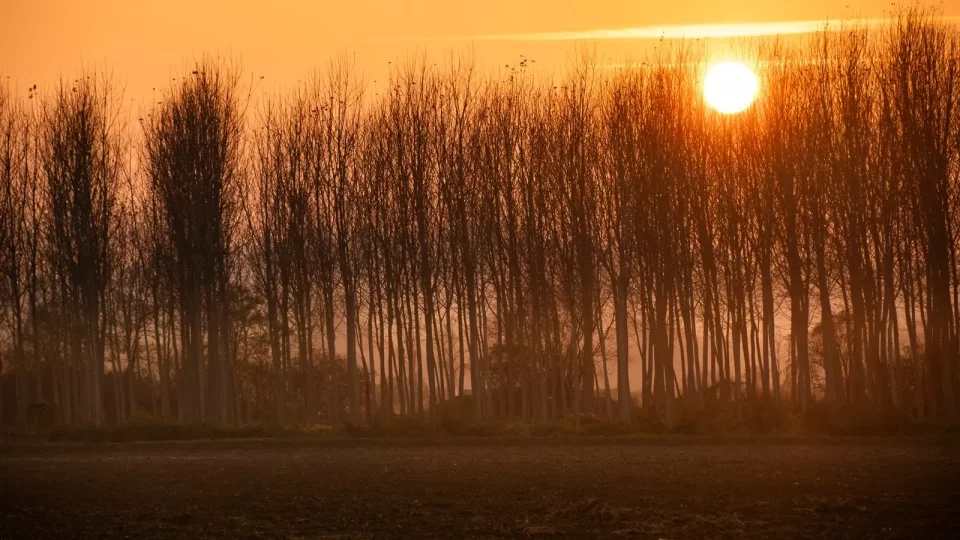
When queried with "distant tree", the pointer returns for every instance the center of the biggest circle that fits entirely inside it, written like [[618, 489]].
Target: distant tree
[[83, 161], [193, 144]]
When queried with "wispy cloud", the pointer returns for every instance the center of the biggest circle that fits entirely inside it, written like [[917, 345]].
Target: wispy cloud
[[690, 31]]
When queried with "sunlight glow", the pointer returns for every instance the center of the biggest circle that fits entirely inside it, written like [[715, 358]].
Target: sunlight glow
[[730, 87], [693, 31]]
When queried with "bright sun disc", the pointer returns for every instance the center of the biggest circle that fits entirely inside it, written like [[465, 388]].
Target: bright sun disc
[[730, 87]]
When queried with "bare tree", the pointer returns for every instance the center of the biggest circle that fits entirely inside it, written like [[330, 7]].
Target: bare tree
[[193, 146]]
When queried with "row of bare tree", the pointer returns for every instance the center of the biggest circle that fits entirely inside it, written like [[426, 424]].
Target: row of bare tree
[[499, 246]]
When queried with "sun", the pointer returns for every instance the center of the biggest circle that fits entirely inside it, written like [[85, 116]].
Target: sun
[[730, 87]]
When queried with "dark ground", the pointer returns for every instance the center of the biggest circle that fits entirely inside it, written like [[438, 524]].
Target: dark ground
[[659, 488]]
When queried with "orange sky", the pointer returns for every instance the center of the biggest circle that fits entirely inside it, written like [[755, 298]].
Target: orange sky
[[145, 41]]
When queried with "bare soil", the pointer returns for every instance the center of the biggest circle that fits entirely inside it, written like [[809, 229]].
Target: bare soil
[[658, 488]]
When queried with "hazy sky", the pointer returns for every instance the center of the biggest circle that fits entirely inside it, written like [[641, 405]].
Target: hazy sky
[[146, 42]]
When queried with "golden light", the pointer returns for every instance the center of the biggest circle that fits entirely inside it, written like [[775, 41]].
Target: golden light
[[730, 87]]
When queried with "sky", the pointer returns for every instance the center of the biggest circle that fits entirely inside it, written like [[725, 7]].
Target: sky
[[145, 43]]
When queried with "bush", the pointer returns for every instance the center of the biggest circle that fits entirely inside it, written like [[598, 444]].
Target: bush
[[831, 419], [455, 419], [147, 428]]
